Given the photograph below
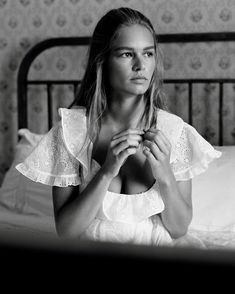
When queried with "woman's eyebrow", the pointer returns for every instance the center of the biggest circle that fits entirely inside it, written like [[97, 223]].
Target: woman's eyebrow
[[132, 49]]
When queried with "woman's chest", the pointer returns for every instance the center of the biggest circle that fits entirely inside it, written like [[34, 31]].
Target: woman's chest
[[135, 175]]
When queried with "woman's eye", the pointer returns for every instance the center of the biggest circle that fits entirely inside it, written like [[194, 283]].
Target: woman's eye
[[148, 54], [127, 54]]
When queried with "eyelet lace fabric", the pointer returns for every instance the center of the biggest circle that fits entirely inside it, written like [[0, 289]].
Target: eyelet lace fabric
[[192, 154], [74, 128], [53, 161], [171, 125]]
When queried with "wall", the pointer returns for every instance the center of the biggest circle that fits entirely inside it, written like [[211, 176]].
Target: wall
[[23, 23]]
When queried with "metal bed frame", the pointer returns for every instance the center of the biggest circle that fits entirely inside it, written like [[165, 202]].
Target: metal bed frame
[[23, 82]]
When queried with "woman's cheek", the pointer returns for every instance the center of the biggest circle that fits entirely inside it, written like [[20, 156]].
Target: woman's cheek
[[118, 71]]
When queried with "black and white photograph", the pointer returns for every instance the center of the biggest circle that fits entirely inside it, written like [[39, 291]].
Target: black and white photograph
[[117, 132]]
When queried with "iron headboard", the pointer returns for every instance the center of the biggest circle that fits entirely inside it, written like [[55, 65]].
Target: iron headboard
[[23, 81]]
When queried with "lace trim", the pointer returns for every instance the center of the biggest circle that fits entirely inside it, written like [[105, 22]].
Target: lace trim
[[50, 162], [47, 178], [193, 154], [198, 167]]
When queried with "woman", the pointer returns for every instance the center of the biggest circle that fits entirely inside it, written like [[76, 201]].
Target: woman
[[120, 165]]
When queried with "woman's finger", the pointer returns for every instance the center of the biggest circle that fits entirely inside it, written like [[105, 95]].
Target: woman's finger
[[124, 145], [160, 139], [159, 142], [134, 137], [154, 149], [152, 131], [148, 155], [126, 153], [157, 139], [128, 132]]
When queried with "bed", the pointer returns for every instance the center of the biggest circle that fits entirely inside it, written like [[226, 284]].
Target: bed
[[26, 208]]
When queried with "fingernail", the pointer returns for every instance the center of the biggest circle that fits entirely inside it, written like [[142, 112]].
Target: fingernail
[[145, 148]]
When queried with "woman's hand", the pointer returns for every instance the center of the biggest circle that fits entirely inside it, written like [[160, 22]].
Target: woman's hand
[[121, 147], [157, 150]]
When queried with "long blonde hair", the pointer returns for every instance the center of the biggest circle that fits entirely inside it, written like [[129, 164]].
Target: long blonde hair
[[94, 87]]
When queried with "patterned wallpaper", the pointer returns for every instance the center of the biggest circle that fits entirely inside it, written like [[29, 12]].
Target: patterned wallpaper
[[23, 23]]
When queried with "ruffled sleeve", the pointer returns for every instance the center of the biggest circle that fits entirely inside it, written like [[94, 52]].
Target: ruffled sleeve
[[192, 154], [59, 159]]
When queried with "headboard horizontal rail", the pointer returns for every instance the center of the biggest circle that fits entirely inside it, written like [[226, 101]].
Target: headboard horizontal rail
[[54, 82], [197, 37], [200, 81], [167, 81]]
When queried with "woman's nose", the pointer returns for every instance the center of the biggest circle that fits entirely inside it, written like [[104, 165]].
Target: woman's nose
[[138, 64]]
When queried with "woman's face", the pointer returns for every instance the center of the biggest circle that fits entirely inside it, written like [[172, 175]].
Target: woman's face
[[132, 61]]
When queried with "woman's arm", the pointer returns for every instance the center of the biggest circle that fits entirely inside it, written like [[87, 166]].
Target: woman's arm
[[178, 207], [176, 195], [75, 211]]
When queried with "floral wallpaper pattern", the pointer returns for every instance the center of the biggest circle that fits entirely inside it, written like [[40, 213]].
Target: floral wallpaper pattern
[[23, 23]]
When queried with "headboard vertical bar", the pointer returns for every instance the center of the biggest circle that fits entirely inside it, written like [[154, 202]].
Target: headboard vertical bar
[[22, 99], [75, 87], [49, 104], [190, 102], [221, 94]]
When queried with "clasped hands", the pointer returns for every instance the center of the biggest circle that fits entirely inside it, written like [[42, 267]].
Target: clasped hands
[[156, 148]]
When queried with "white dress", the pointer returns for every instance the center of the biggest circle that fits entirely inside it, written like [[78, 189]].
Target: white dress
[[63, 158]]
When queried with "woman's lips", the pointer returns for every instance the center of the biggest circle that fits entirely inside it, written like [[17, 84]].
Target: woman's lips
[[139, 80]]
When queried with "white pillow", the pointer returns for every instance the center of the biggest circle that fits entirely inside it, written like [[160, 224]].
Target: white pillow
[[18, 193], [213, 194]]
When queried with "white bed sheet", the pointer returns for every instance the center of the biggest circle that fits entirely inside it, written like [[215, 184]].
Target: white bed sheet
[[12, 222], [215, 239]]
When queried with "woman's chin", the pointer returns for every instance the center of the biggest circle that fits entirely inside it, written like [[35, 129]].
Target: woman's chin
[[139, 90]]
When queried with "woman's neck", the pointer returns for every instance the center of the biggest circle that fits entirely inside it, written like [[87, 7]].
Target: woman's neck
[[125, 112]]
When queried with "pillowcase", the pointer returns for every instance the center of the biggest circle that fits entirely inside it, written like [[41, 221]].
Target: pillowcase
[[18, 193], [213, 194]]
